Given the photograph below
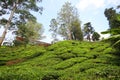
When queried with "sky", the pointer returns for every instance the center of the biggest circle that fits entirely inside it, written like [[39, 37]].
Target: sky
[[89, 11]]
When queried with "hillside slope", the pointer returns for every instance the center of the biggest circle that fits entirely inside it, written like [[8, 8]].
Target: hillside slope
[[66, 60]]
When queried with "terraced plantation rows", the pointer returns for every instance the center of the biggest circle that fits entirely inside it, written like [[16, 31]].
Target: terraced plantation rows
[[65, 60]]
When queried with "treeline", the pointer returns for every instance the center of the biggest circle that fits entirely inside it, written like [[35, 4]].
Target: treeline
[[113, 17], [67, 24], [21, 21]]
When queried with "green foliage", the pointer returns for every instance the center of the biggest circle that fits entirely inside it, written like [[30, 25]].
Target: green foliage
[[113, 18], [22, 10], [87, 30], [28, 32], [112, 31], [114, 22], [54, 28], [95, 36], [115, 41], [109, 50], [31, 30], [20, 52], [76, 30], [117, 45], [64, 60], [67, 23], [70, 62]]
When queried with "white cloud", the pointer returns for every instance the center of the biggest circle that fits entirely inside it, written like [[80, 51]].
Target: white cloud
[[113, 2], [51, 0], [84, 4], [96, 4]]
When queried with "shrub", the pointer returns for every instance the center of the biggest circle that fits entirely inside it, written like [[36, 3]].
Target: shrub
[[109, 50], [115, 41], [65, 56], [51, 76]]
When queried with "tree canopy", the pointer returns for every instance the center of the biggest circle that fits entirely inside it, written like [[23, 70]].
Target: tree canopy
[[68, 23], [113, 17], [95, 36], [19, 11], [31, 30], [88, 30]]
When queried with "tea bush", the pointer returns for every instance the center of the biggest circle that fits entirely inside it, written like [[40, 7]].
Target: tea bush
[[65, 60]]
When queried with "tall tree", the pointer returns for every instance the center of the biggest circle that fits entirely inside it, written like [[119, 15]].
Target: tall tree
[[54, 29], [67, 20], [113, 17], [76, 30], [19, 11], [95, 36], [31, 31], [67, 15], [88, 30]]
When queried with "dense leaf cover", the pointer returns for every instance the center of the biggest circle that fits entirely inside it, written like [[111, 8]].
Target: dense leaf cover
[[66, 60]]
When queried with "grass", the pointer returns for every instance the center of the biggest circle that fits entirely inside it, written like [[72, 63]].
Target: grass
[[65, 60]]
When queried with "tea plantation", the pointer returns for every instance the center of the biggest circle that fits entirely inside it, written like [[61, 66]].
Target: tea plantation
[[65, 60]]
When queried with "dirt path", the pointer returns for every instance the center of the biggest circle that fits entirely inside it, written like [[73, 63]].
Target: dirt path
[[12, 62]]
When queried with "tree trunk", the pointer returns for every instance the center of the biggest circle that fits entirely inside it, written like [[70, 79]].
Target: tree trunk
[[70, 36], [8, 23], [69, 33], [88, 37]]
